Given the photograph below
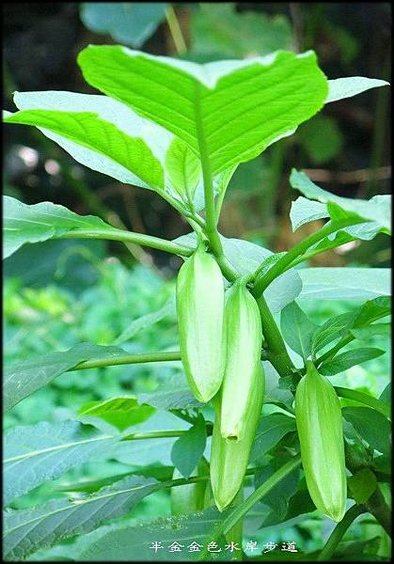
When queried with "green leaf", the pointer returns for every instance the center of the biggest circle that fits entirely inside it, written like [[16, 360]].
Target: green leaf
[[362, 485], [278, 497], [372, 311], [335, 283], [43, 221], [332, 330], [136, 542], [184, 169], [321, 148], [342, 362], [37, 453], [373, 427], [297, 329], [271, 429], [303, 211], [298, 504], [368, 333], [101, 137], [172, 393], [129, 23], [341, 88], [24, 378], [121, 412], [147, 320], [217, 30], [189, 448], [28, 530], [386, 394], [376, 210], [227, 112]]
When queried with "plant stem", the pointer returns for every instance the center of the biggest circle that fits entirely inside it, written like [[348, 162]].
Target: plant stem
[[377, 506], [176, 31], [240, 511], [153, 435], [277, 352], [284, 263], [130, 237], [361, 397], [138, 358], [341, 528]]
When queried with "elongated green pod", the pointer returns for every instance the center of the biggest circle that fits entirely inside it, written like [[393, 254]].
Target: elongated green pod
[[200, 309], [229, 458], [191, 497], [243, 350], [320, 430]]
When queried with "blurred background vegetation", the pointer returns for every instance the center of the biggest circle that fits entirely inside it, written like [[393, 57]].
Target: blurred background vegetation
[[60, 293]]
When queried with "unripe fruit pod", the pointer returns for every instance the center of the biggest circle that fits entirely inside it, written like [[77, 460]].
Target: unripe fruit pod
[[320, 430], [229, 458], [200, 309], [191, 497], [243, 350]]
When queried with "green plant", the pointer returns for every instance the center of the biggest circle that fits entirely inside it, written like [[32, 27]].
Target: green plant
[[182, 129]]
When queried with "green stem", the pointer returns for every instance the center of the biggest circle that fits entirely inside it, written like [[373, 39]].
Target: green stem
[[130, 237], [286, 262], [377, 506], [277, 352], [153, 435], [361, 397], [337, 534], [138, 358], [176, 31], [240, 511]]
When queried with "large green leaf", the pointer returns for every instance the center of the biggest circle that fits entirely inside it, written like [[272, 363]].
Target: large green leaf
[[334, 283], [28, 530], [106, 140], [44, 451], [377, 209], [137, 543], [340, 88], [332, 330], [227, 112], [23, 378], [130, 23]]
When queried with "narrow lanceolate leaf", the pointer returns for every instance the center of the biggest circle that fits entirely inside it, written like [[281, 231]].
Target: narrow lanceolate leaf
[[121, 412], [376, 210], [227, 112], [297, 329], [348, 359], [332, 330], [27, 530], [90, 131], [44, 451], [23, 378], [340, 88]]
